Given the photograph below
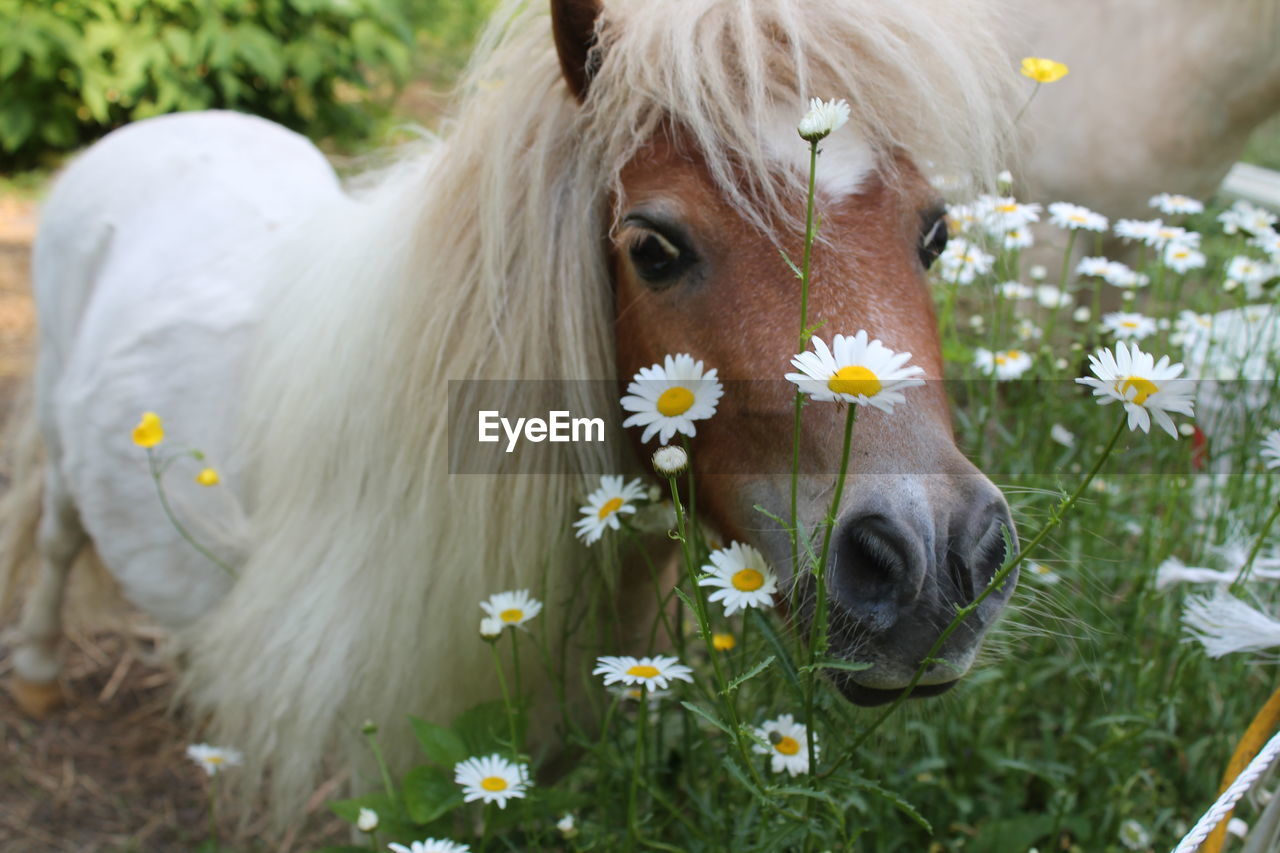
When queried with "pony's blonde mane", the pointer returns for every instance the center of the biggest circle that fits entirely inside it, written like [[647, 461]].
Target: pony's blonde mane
[[481, 257]]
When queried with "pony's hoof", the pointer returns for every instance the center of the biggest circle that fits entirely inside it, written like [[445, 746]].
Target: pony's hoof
[[36, 699]]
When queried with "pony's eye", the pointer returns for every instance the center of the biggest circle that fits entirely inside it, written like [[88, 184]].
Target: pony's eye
[[933, 239], [657, 259]]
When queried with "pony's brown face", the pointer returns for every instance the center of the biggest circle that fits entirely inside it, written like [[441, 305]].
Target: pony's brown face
[[919, 530]]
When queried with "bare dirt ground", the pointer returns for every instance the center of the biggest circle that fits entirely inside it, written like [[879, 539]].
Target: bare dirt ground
[[107, 772]]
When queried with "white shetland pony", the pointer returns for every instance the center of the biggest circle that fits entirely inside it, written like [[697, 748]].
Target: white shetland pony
[[615, 186]]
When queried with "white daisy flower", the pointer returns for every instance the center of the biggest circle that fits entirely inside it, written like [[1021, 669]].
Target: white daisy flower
[[490, 628], [512, 608], [1124, 325], [367, 820], [1251, 273], [605, 505], [1005, 364], [1190, 328], [1042, 573], [1119, 275], [1038, 272], [667, 398], [1074, 217], [823, 118], [1174, 204], [1018, 238], [1269, 242], [431, 845], [670, 460], [1133, 836], [1147, 388], [1167, 234], [1027, 330], [962, 261], [1081, 314], [214, 759], [741, 577], [1014, 290], [649, 672], [1062, 435], [1095, 266], [1052, 297], [963, 218], [1007, 214], [1144, 230], [1270, 451], [1224, 624], [1246, 217], [492, 779], [855, 370], [1181, 258], [788, 745]]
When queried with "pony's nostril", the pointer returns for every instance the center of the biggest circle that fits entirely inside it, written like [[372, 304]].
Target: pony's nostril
[[971, 568], [873, 575], [961, 578]]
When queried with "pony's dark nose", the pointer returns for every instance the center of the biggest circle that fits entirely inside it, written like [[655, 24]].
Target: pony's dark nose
[[877, 569], [883, 565]]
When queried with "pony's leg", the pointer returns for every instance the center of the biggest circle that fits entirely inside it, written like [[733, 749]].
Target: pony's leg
[[36, 661]]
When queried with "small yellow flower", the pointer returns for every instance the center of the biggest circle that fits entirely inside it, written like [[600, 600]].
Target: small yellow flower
[[723, 642], [208, 477], [1043, 70], [149, 432]]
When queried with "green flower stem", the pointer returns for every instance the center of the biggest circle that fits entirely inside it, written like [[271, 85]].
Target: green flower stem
[[1238, 583], [1063, 284], [642, 715], [810, 233], [371, 734], [506, 697], [818, 631], [1035, 91], [677, 637], [997, 581], [157, 472], [213, 805]]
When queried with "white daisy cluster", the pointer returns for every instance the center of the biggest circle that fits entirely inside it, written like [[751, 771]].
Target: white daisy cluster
[[1156, 234], [1073, 217], [1004, 364], [963, 261], [1128, 325], [492, 779], [788, 748], [1113, 273], [1250, 273], [855, 370], [1145, 387], [1248, 218], [1002, 218], [1173, 204]]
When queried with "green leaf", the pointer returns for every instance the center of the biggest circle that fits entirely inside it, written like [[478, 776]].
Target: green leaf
[[261, 51], [483, 729], [16, 124], [748, 675], [441, 745], [709, 717], [836, 663], [898, 802], [429, 793]]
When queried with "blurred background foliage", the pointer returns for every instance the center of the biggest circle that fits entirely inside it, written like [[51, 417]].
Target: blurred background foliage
[[72, 70]]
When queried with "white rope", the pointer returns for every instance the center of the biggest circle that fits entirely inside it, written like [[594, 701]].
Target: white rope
[[1230, 797]]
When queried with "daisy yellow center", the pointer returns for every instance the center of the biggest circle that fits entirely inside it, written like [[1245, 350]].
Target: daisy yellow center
[[213, 759], [1144, 387], [1129, 324], [515, 614], [675, 401], [856, 380], [787, 745], [493, 783], [1077, 217], [748, 580], [643, 670], [1007, 208], [1004, 358], [610, 507]]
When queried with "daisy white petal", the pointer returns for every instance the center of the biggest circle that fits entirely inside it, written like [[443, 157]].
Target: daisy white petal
[[788, 745], [1073, 217], [648, 672], [511, 608], [492, 779], [431, 845], [1144, 386], [823, 118], [214, 759], [1270, 451], [1173, 204], [1224, 624], [606, 505], [1125, 326], [667, 398], [1004, 364], [855, 370]]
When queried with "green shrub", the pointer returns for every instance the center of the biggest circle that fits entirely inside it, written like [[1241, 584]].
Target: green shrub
[[71, 71]]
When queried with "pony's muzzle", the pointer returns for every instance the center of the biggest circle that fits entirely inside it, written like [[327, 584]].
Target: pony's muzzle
[[887, 566]]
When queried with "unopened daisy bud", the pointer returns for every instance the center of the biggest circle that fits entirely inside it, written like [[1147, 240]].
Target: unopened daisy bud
[[1060, 364], [1230, 285], [1081, 314], [1128, 296], [208, 477], [368, 727], [976, 321], [568, 826], [670, 460], [655, 494], [823, 118], [490, 628], [1004, 180], [367, 821], [1062, 435], [1186, 430], [723, 642], [1038, 273]]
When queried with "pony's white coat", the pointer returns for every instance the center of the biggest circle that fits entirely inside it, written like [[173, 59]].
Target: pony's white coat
[[304, 340]]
